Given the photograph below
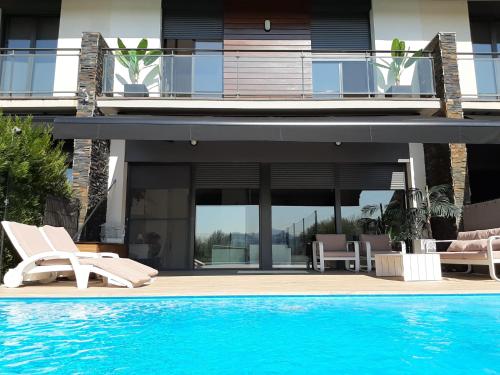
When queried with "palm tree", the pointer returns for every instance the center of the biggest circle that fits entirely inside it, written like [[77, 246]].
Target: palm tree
[[413, 221]]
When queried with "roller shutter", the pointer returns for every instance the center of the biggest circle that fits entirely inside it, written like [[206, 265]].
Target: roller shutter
[[302, 176], [371, 176], [227, 175], [193, 19]]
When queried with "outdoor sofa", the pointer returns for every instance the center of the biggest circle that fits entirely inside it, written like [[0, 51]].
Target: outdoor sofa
[[478, 247]]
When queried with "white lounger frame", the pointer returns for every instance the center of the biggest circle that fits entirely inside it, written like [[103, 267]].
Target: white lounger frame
[[490, 261], [319, 257], [15, 276], [371, 258]]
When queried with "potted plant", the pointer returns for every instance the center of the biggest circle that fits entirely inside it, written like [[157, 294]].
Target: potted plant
[[413, 224], [399, 62], [136, 61]]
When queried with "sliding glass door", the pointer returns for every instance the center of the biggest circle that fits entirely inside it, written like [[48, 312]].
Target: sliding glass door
[[227, 228]]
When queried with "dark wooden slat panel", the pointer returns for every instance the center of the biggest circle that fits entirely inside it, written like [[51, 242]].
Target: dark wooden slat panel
[[267, 74]]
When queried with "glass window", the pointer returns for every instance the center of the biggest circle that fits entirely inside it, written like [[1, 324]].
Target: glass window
[[25, 72], [297, 216], [158, 221], [364, 211], [195, 68], [227, 228]]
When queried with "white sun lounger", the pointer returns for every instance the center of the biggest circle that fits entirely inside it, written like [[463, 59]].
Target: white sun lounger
[[39, 258]]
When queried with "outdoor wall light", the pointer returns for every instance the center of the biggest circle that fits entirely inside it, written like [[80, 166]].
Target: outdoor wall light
[[267, 25], [194, 142], [338, 143]]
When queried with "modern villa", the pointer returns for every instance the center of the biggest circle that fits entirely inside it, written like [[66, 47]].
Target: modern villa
[[227, 133]]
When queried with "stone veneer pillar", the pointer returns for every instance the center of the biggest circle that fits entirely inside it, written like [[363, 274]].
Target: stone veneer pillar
[[447, 163], [90, 158]]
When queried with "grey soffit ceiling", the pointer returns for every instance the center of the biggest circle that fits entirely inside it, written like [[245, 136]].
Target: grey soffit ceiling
[[364, 129]]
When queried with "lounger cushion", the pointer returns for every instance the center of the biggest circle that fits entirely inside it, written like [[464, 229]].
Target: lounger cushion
[[60, 238], [30, 238], [117, 268], [332, 242], [471, 255], [377, 241], [125, 262], [482, 234], [338, 254]]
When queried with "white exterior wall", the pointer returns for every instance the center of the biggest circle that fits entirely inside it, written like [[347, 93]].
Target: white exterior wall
[[130, 20], [417, 22]]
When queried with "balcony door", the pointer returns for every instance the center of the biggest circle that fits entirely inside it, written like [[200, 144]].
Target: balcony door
[[24, 71], [486, 44]]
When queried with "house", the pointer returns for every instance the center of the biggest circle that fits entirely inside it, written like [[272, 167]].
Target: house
[[242, 128]]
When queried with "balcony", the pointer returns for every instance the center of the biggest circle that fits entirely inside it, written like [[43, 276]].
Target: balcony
[[260, 79], [38, 79], [480, 82]]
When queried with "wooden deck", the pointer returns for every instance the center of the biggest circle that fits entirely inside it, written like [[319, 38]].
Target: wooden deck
[[210, 283]]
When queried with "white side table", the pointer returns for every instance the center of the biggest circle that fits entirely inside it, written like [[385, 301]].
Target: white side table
[[411, 267]]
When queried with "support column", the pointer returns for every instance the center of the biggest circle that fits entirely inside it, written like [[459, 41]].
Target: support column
[[447, 164], [116, 204], [90, 159]]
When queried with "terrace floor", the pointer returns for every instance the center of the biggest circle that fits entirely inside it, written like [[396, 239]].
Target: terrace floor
[[209, 283]]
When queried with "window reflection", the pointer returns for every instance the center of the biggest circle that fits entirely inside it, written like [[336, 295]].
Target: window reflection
[[366, 211], [297, 216], [227, 228]]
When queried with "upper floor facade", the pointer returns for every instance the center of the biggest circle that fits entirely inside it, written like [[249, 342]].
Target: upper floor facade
[[313, 55]]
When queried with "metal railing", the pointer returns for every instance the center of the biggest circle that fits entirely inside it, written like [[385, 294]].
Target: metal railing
[[480, 75], [255, 74], [38, 72]]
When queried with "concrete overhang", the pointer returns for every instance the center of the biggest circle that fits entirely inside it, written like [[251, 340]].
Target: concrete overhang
[[481, 106], [425, 106], [38, 104], [363, 129]]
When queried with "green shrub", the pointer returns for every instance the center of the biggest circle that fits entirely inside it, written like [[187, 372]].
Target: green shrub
[[34, 167]]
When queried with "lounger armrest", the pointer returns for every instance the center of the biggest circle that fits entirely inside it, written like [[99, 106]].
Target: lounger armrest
[[88, 254], [432, 241], [368, 247], [402, 246], [356, 247], [489, 248], [50, 255], [108, 255], [318, 248]]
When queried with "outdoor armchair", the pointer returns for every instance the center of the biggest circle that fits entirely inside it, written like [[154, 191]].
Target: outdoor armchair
[[373, 244], [334, 247]]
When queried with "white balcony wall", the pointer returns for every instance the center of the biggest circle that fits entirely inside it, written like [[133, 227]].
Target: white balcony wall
[[130, 20], [418, 21]]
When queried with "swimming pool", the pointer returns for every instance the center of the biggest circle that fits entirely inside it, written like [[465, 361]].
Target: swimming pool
[[252, 335]]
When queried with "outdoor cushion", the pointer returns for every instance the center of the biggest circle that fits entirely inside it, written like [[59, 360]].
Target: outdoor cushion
[[332, 242], [468, 255], [338, 254], [472, 245], [377, 242], [30, 238], [478, 234], [117, 269]]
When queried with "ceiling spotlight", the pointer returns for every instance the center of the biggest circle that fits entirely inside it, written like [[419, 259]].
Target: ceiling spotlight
[[194, 142], [338, 143]]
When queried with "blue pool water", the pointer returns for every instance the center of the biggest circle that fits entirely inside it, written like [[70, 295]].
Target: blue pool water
[[252, 335]]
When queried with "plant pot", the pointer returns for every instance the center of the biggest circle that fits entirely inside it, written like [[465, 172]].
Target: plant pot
[[398, 90], [418, 246], [135, 90]]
